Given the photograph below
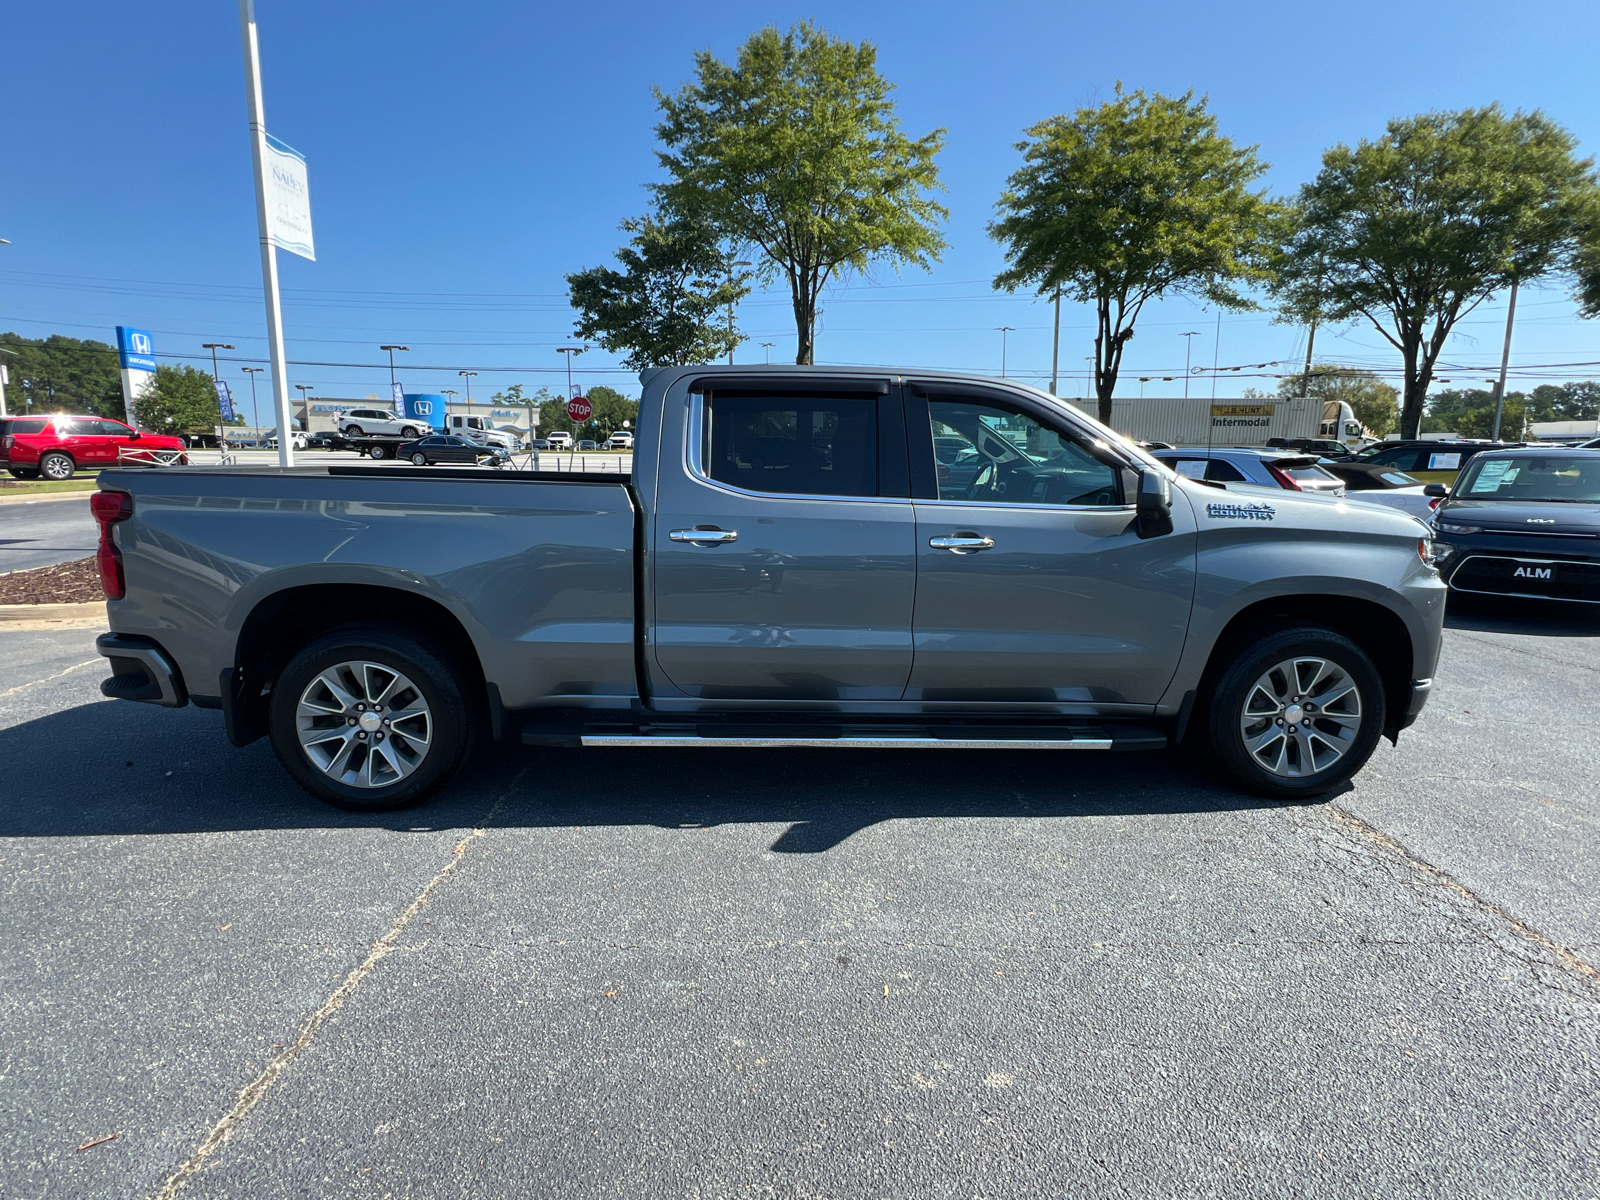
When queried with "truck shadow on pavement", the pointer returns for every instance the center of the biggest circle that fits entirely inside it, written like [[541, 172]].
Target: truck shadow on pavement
[[110, 769]]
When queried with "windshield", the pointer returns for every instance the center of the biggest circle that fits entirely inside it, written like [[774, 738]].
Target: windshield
[[1546, 478]]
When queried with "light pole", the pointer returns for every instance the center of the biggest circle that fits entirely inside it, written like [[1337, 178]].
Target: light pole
[[305, 400], [1003, 330], [452, 393], [391, 350], [1055, 346], [216, 376], [1186, 347], [767, 346], [255, 412], [467, 375], [737, 263]]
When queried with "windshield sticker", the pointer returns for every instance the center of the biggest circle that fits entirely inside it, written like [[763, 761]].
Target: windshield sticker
[[1242, 512], [1444, 462], [1493, 475]]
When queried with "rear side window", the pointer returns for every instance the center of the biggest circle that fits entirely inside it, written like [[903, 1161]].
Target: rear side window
[[1219, 470], [23, 425], [826, 446]]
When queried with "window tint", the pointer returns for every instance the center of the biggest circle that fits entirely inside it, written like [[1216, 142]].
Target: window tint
[[1220, 470], [23, 426], [992, 455], [115, 428], [1405, 459], [812, 447], [433, 442]]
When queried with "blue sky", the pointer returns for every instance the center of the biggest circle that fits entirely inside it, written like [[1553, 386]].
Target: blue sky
[[463, 158]]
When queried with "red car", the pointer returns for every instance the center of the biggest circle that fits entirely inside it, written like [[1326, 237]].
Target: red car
[[55, 447]]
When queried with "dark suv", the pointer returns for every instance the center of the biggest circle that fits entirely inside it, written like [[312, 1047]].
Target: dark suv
[[1524, 523]]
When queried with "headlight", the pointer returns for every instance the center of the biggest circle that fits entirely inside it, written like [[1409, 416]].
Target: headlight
[[1450, 527]]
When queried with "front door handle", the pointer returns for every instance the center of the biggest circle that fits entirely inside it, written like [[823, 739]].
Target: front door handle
[[704, 537], [962, 543]]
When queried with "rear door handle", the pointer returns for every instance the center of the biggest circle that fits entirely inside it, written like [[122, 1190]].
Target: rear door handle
[[962, 543], [704, 537]]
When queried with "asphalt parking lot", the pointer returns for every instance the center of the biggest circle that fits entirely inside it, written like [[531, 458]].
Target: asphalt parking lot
[[804, 974]]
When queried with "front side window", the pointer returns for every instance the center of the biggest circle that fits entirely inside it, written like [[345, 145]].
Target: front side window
[[826, 446], [987, 454]]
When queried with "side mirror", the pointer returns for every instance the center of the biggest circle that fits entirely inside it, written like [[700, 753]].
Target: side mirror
[[1154, 504], [1436, 489], [134, 435]]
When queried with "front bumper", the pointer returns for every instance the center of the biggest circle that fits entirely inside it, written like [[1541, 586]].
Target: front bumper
[[1524, 567], [141, 670]]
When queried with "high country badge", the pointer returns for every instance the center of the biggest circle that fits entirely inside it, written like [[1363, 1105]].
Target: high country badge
[[1242, 512]]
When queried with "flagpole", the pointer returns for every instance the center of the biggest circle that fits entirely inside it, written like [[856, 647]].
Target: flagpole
[[269, 257]]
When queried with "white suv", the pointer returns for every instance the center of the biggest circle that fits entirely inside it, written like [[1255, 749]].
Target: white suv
[[367, 421], [559, 440], [622, 440]]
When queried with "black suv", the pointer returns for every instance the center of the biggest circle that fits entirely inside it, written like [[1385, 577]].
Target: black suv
[[1526, 523], [1429, 462]]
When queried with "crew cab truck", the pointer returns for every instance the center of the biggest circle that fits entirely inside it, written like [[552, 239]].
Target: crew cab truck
[[789, 563]]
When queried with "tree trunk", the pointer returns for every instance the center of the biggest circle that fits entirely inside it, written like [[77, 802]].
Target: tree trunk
[[1416, 393], [1103, 387], [803, 291]]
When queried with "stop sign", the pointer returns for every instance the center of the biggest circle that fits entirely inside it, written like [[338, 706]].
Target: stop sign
[[579, 409]]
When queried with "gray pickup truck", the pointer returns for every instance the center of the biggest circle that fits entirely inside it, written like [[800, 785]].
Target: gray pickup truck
[[800, 557]]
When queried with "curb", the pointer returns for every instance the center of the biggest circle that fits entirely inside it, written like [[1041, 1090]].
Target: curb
[[19, 618], [48, 497]]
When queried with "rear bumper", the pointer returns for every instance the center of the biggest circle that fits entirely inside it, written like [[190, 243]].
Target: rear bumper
[[141, 670]]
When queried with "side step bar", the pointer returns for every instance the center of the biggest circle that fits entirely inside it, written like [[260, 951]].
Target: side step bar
[[911, 737]]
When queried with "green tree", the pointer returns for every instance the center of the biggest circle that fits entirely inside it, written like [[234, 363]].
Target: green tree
[[796, 151], [61, 374], [1138, 198], [611, 409], [179, 400], [1470, 413], [665, 307], [1375, 403], [1413, 231], [1565, 401]]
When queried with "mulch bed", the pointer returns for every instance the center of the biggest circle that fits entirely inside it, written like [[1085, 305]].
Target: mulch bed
[[76, 582]]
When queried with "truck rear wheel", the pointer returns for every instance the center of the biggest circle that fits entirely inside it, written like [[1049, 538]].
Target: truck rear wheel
[[1296, 714], [377, 451], [370, 719]]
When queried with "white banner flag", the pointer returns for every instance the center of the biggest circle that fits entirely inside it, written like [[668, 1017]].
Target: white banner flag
[[288, 199]]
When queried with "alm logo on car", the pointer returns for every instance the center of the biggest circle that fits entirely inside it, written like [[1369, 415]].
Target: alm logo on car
[[1242, 512], [1531, 573]]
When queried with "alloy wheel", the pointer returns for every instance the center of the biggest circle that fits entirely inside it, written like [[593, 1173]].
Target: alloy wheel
[[1301, 717], [363, 724]]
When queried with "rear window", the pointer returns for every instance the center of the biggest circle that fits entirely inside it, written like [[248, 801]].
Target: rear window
[[1398, 479], [1315, 476], [801, 446]]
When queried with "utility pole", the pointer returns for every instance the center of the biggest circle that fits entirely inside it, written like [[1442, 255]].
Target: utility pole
[[1055, 346], [1305, 380], [269, 255], [1187, 345], [740, 263], [255, 410], [1003, 330], [1505, 360]]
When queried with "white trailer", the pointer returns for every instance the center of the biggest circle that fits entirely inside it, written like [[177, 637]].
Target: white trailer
[[1198, 421]]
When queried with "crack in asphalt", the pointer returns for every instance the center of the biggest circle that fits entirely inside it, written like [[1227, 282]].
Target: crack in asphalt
[[268, 1075], [22, 687], [1445, 882]]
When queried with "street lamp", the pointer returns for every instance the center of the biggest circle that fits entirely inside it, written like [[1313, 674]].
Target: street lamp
[[391, 350], [305, 400], [1003, 330], [736, 263], [1187, 344], [767, 346], [467, 375], [255, 413]]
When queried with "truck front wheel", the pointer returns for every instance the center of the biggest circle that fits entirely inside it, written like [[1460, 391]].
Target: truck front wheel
[[370, 719], [1296, 713]]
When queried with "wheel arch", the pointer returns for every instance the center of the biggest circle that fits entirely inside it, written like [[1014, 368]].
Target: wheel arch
[[1377, 629], [283, 622]]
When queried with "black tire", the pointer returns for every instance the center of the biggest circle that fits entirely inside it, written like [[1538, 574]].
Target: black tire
[[22, 473], [57, 465], [1341, 735], [377, 452], [441, 685], [419, 459]]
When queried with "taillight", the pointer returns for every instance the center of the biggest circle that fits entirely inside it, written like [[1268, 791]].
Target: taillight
[[1283, 477], [10, 441], [1435, 502], [109, 508]]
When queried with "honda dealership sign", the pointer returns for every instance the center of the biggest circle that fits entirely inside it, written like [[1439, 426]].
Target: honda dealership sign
[[137, 358]]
